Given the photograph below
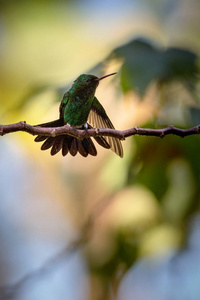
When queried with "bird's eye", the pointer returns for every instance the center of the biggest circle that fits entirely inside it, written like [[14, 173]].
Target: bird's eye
[[87, 80]]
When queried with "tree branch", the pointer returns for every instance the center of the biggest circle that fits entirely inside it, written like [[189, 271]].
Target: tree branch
[[80, 134]]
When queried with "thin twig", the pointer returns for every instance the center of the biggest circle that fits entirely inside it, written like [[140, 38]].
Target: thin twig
[[94, 132]]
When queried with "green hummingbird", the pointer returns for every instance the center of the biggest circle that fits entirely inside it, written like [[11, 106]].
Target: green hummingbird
[[81, 109]]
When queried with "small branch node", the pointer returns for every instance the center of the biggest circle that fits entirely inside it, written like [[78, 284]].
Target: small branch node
[[53, 133], [162, 134], [22, 124], [198, 129], [136, 129], [1, 130]]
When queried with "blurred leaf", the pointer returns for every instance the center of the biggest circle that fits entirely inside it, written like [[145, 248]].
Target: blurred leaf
[[179, 196], [153, 157], [127, 249], [180, 64], [144, 63], [125, 252], [194, 115], [33, 92], [156, 157], [141, 65], [38, 90]]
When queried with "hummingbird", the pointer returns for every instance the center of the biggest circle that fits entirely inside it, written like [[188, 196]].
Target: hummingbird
[[80, 108]]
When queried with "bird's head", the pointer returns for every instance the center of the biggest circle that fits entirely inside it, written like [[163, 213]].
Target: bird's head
[[88, 83]]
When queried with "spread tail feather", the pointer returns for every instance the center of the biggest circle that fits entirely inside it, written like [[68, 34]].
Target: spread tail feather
[[69, 144]]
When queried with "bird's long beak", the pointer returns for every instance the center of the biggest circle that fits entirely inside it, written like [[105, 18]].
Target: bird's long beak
[[100, 78]]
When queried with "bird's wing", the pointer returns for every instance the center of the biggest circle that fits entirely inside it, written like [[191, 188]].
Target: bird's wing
[[99, 119], [63, 104]]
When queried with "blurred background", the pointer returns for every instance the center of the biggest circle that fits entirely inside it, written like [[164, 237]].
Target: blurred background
[[101, 227]]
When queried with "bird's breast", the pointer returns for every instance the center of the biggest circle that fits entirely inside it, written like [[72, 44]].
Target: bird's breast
[[77, 110]]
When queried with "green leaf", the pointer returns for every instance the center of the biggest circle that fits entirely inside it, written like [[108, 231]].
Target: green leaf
[[144, 63]]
